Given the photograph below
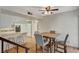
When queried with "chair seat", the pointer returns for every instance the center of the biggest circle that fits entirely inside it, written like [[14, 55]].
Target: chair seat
[[45, 42], [60, 42]]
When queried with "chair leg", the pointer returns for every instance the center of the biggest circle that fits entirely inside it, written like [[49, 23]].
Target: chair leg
[[36, 48], [55, 47], [65, 50], [42, 49]]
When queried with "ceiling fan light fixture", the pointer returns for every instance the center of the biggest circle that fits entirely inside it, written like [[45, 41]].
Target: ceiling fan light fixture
[[49, 10], [47, 13]]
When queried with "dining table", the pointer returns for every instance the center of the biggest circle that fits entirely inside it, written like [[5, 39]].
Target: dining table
[[51, 37]]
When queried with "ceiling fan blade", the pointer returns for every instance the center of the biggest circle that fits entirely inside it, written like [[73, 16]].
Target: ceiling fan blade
[[54, 9]]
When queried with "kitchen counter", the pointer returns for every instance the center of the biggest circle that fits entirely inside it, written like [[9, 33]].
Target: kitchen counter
[[8, 34]]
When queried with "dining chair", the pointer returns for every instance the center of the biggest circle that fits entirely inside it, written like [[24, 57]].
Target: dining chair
[[40, 41], [60, 43]]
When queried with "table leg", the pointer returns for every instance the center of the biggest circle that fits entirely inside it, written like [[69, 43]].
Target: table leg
[[50, 46], [54, 45]]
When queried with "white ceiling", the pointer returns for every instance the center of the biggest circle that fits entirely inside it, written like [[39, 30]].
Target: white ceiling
[[35, 9]]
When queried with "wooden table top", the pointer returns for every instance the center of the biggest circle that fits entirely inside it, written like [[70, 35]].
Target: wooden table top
[[50, 35]]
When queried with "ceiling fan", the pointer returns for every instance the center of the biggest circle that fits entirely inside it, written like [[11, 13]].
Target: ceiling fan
[[49, 10]]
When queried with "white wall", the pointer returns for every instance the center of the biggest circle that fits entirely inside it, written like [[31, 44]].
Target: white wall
[[78, 31], [66, 22], [34, 26], [7, 20]]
